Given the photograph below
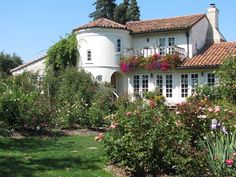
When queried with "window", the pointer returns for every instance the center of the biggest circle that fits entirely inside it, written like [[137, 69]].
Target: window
[[144, 83], [194, 81], [184, 85], [211, 79], [89, 55], [169, 86], [171, 45], [159, 84], [162, 43], [136, 83], [118, 49]]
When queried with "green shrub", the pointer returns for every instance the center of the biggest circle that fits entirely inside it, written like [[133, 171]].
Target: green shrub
[[102, 106], [148, 140]]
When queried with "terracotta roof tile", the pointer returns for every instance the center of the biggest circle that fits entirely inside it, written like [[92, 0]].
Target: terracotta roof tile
[[175, 23], [213, 56], [102, 23]]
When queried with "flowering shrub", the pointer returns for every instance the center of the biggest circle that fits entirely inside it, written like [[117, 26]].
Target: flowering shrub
[[145, 138], [150, 63]]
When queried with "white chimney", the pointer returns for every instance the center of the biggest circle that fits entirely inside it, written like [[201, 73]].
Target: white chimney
[[214, 34], [213, 16]]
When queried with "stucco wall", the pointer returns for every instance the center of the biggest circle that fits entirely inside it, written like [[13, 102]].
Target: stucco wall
[[102, 43], [140, 41], [198, 35], [38, 66]]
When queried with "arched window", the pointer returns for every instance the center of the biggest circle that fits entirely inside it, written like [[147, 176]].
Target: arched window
[[118, 45], [89, 55]]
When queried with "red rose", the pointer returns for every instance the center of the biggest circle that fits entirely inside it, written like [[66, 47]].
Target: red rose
[[229, 161]]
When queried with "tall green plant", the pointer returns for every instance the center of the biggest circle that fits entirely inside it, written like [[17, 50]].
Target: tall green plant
[[63, 54], [221, 154]]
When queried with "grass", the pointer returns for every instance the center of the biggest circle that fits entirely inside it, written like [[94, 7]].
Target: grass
[[72, 156]]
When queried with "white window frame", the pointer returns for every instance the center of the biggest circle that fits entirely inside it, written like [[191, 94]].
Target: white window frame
[[89, 55], [139, 87], [184, 86], [118, 45], [169, 90], [211, 83], [166, 48], [194, 84], [159, 83]]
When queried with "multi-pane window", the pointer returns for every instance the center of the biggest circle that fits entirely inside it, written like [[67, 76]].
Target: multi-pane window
[[171, 45], [169, 86], [184, 85], [162, 44], [211, 79], [136, 83], [194, 81], [118, 45], [159, 84], [144, 83], [89, 55]]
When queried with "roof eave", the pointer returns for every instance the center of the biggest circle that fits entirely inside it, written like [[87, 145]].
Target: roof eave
[[161, 30], [198, 67]]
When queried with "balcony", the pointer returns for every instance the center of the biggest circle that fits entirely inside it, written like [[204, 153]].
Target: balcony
[[163, 58], [146, 52]]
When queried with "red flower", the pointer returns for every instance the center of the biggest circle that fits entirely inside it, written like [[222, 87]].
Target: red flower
[[152, 103], [229, 162]]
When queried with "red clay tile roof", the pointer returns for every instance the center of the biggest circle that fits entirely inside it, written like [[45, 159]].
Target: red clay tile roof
[[165, 24], [102, 23], [213, 56]]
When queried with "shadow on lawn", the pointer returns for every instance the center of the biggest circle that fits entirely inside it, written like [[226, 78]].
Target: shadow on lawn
[[27, 144], [16, 167]]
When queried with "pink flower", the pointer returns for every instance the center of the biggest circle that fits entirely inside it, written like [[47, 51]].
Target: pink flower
[[99, 137], [177, 112], [210, 109], [217, 109], [234, 154], [113, 125], [229, 162], [128, 114]]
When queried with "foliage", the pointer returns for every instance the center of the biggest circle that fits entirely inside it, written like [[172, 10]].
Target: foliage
[[227, 75], [221, 154], [65, 156], [150, 63], [102, 106], [104, 9], [8, 62], [133, 13], [120, 13], [62, 54], [212, 93], [149, 141]]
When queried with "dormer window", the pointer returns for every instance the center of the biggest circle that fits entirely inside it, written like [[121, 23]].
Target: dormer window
[[118, 45], [89, 55]]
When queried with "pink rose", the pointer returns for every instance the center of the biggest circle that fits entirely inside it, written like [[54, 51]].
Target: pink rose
[[217, 109], [229, 162], [210, 109], [128, 113]]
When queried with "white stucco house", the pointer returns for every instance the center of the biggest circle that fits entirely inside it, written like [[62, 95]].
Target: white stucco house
[[103, 43]]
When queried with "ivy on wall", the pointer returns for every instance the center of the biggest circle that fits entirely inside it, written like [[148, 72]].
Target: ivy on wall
[[63, 53]]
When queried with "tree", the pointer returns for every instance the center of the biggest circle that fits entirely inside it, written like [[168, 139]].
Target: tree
[[8, 62], [120, 13], [133, 13], [63, 54], [227, 75], [104, 9]]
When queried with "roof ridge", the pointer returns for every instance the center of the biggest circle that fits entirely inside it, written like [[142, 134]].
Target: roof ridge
[[148, 20]]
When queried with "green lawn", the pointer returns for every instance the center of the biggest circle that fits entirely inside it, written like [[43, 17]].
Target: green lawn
[[77, 156]]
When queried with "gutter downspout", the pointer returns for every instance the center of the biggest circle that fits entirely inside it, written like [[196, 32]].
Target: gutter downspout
[[187, 36]]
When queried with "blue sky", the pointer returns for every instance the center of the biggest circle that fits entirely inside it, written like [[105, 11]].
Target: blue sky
[[29, 27]]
